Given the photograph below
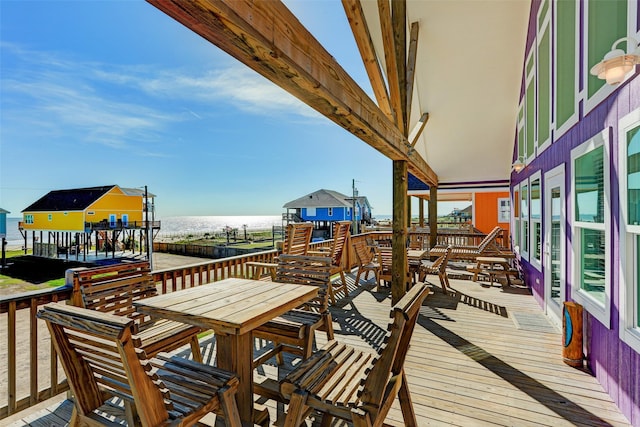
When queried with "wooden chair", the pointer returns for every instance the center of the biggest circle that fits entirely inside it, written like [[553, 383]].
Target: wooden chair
[[113, 289], [487, 247], [296, 242], [354, 385], [385, 257], [439, 267], [102, 358], [294, 331], [341, 235], [366, 261]]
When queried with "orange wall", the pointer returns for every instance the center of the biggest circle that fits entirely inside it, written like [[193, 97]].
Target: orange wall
[[486, 211]]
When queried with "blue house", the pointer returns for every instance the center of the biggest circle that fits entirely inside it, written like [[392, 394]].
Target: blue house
[[3, 223], [323, 207]]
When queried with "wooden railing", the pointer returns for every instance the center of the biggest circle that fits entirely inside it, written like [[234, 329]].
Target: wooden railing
[[31, 358]]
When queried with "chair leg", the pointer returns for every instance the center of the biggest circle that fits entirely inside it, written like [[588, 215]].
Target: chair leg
[[406, 405], [227, 399], [326, 420], [358, 276], [195, 349], [328, 325], [307, 347], [344, 284], [279, 357], [296, 410]]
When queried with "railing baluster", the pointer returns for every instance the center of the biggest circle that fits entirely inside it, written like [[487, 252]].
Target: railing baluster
[[11, 356], [33, 351]]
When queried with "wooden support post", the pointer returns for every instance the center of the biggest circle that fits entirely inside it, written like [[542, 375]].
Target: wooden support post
[[408, 211], [421, 211], [433, 216], [399, 226]]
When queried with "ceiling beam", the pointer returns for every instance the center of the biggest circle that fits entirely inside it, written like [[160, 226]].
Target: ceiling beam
[[399, 24], [362, 36], [417, 129], [268, 38], [390, 60], [411, 68]]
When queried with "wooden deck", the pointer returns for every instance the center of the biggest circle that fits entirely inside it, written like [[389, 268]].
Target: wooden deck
[[479, 356]]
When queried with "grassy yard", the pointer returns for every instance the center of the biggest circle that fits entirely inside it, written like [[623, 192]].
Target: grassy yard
[[28, 278]]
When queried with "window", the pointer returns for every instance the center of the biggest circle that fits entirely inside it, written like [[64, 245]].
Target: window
[[591, 226], [28, 219], [536, 222], [516, 217], [524, 220], [330, 211], [503, 210], [543, 77], [50, 217], [311, 212], [629, 169], [112, 220], [530, 108], [606, 22], [566, 73]]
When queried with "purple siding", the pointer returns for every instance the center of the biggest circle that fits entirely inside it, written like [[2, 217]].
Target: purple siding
[[614, 363]]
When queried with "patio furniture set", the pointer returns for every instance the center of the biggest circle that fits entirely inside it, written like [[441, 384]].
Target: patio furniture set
[[114, 342]]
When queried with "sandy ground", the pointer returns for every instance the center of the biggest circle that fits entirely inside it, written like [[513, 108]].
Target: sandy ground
[[161, 261]]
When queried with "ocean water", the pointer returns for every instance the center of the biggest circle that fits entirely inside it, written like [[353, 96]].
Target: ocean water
[[173, 226]]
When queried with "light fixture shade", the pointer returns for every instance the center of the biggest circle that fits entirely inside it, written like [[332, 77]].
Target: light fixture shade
[[617, 63], [518, 165]]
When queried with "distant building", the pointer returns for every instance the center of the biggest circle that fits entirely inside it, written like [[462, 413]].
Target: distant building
[[70, 217], [323, 207], [3, 223]]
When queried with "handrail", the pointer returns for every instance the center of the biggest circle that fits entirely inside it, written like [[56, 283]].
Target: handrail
[[25, 349]]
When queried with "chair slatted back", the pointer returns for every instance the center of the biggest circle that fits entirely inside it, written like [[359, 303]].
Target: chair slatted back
[[364, 253], [440, 264], [490, 239], [392, 355], [341, 234], [307, 270], [99, 354], [108, 291], [298, 238]]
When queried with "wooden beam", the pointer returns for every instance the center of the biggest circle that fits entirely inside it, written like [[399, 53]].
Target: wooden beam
[[433, 216], [411, 68], [390, 59], [268, 38], [399, 24], [417, 129], [399, 226], [362, 36]]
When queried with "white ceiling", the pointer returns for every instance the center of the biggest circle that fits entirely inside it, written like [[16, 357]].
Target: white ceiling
[[468, 78]]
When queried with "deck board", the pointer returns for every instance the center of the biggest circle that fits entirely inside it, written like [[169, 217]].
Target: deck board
[[468, 363]]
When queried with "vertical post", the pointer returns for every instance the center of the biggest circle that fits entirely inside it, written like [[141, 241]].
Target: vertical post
[[399, 227], [146, 228], [408, 211], [353, 207], [433, 216], [421, 211]]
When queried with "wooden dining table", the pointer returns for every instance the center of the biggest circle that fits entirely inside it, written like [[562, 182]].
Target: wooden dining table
[[232, 308]]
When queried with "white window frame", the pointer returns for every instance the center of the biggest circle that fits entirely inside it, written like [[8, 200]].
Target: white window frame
[[600, 312], [605, 90], [329, 211], [515, 225], [528, 78], [558, 132], [311, 212], [628, 330], [504, 214], [546, 25], [535, 262], [525, 219]]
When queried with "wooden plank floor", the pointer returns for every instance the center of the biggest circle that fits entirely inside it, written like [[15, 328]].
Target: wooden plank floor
[[471, 363]]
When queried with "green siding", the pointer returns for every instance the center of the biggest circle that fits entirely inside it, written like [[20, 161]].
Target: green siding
[[544, 87], [531, 119], [565, 61], [607, 23]]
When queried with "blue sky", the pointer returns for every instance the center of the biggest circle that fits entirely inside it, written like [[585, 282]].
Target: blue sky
[[115, 92]]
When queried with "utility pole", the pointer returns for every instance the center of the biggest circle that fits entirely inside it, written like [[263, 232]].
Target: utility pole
[[148, 245], [353, 209]]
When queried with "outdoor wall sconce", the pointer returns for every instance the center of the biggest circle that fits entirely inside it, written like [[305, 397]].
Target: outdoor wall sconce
[[616, 63], [518, 165]]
